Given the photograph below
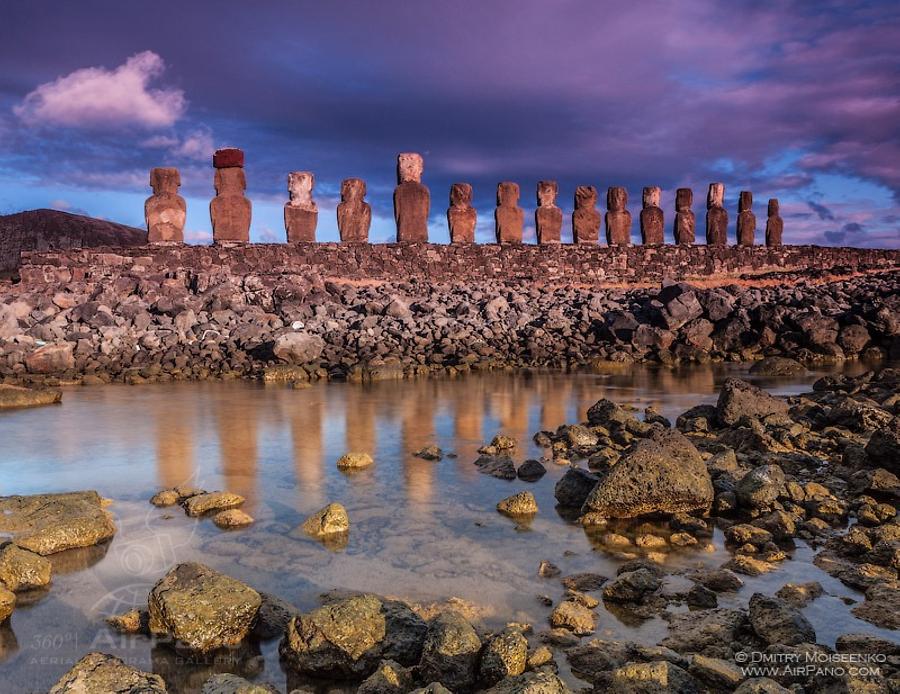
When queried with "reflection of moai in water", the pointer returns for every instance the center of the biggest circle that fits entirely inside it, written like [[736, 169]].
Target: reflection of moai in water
[[230, 210], [509, 218], [618, 218], [746, 220], [716, 216], [586, 218], [774, 224], [165, 210], [461, 216], [685, 231], [354, 215], [547, 216], [412, 200], [300, 212], [652, 223]]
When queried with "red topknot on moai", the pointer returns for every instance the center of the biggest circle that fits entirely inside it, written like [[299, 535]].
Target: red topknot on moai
[[230, 210]]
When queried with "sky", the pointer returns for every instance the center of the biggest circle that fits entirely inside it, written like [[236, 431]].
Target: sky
[[794, 100]]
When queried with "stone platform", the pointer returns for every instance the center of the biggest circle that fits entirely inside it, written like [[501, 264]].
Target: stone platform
[[585, 265]]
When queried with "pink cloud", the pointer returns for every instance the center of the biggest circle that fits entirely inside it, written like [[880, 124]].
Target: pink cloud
[[96, 96]]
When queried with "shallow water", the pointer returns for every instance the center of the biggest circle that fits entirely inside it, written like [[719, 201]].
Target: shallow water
[[420, 530]]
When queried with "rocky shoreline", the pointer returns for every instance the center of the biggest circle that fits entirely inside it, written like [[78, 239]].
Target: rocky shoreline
[[818, 468], [140, 331]]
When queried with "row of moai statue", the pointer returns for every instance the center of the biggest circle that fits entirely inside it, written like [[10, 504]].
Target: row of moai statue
[[230, 210]]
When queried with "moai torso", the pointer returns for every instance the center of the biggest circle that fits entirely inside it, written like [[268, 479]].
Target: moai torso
[[586, 218], [652, 223], [716, 216], [547, 216], [746, 221], [508, 217], [774, 224], [685, 221], [618, 218], [412, 200], [301, 214], [230, 210], [165, 210], [461, 216], [354, 215]]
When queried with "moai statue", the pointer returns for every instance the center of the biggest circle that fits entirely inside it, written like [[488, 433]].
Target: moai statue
[[354, 215], [509, 218], [618, 218], [461, 216], [774, 225], [230, 210], [586, 218], [746, 220], [685, 232], [716, 216], [547, 216], [301, 214], [652, 223], [412, 200], [165, 210]]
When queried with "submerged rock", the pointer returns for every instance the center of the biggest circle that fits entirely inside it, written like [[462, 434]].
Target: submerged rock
[[226, 683], [662, 473], [207, 502], [328, 521], [50, 523], [499, 466], [354, 461], [12, 397], [99, 672], [202, 609], [232, 518], [429, 453], [521, 504]]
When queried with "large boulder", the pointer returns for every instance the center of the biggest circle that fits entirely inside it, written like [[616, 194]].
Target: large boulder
[[450, 653], [15, 396], [741, 399], [202, 609], [662, 473], [883, 448], [51, 359], [49, 523], [347, 638], [99, 672], [23, 570], [776, 621], [298, 348]]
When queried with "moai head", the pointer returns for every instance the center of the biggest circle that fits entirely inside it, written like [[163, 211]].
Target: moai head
[[651, 195], [300, 185], [353, 189], [773, 207], [546, 193], [409, 167], [585, 196], [165, 181], [228, 157], [616, 199], [684, 198], [460, 195], [716, 195], [507, 194], [230, 181], [745, 201]]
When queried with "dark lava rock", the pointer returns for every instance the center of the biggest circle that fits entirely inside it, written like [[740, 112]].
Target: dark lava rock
[[531, 471], [450, 652], [574, 487], [662, 473], [776, 621], [50, 523], [504, 655], [99, 672], [499, 466], [778, 366], [760, 487], [883, 448], [740, 399]]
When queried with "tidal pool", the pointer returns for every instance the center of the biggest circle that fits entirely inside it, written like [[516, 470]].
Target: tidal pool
[[420, 530]]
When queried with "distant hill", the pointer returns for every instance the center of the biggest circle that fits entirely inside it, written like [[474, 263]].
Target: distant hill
[[44, 230]]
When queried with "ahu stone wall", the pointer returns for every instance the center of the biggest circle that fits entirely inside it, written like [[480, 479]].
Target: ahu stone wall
[[552, 264]]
